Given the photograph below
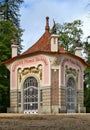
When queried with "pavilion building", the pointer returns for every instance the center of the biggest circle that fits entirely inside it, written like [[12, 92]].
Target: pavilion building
[[46, 78]]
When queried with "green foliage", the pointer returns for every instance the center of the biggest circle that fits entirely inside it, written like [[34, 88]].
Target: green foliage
[[86, 47], [69, 34], [87, 98], [9, 30], [9, 10], [87, 76], [4, 94]]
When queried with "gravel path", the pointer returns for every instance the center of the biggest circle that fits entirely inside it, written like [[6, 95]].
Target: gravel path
[[45, 122]]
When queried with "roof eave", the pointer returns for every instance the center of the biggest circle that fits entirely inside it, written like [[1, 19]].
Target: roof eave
[[44, 52]]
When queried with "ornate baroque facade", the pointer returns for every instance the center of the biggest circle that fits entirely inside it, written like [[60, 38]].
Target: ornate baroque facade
[[46, 78]]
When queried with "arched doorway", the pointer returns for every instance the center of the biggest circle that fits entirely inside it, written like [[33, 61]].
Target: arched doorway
[[30, 94], [70, 95]]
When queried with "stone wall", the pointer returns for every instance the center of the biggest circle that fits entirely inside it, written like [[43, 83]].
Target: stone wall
[[46, 101], [80, 100], [13, 101]]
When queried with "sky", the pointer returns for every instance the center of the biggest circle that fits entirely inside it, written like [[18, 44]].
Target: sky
[[34, 12]]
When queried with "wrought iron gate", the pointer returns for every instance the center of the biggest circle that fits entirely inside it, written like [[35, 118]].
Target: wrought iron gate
[[30, 93], [70, 95]]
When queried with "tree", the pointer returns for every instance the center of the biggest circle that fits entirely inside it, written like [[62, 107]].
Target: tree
[[9, 30], [69, 34], [87, 75], [9, 10]]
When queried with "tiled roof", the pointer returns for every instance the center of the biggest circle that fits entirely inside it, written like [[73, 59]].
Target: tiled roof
[[43, 46]]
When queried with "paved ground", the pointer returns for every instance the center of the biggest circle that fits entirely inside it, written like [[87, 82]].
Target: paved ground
[[45, 122]]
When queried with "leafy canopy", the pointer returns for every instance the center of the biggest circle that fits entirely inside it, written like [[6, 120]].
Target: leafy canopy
[[69, 34]]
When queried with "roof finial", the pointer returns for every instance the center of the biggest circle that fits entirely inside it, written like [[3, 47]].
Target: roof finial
[[54, 30], [47, 24]]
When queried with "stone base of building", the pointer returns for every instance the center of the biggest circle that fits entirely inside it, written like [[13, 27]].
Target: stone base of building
[[81, 109], [48, 110], [62, 109], [45, 110], [54, 109], [12, 110]]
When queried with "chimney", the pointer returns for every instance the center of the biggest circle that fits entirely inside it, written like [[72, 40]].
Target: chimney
[[47, 24], [78, 51], [54, 42], [14, 49]]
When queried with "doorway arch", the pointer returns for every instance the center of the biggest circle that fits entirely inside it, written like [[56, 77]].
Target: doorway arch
[[30, 95], [71, 95]]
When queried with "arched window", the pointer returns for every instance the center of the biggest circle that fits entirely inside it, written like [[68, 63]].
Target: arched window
[[30, 93], [70, 95]]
